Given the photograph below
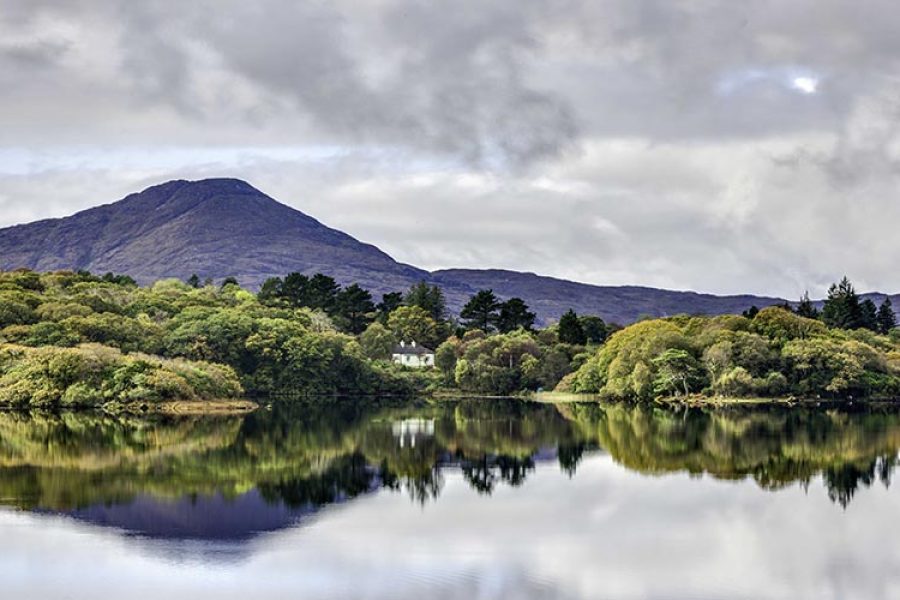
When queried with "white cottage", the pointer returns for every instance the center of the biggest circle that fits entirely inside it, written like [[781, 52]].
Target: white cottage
[[413, 355]]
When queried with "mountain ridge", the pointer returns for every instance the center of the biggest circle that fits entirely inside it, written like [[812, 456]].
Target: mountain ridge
[[226, 227]]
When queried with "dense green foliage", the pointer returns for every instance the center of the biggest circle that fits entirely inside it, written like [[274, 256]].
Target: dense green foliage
[[570, 329], [429, 298], [773, 354], [350, 308], [94, 375], [843, 309], [505, 363], [274, 347], [486, 312], [308, 335], [299, 335], [514, 314]]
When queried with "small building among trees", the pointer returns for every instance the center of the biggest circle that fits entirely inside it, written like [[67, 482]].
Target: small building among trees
[[413, 355]]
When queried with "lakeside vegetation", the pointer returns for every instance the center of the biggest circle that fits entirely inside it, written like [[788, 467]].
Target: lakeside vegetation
[[76, 339], [81, 340], [773, 353]]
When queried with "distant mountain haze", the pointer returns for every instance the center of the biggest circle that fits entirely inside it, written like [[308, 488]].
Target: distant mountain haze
[[225, 227]]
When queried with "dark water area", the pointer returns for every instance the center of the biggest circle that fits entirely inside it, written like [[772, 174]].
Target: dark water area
[[463, 499]]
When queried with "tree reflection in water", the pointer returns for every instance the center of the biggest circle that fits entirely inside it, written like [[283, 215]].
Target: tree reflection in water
[[306, 455]]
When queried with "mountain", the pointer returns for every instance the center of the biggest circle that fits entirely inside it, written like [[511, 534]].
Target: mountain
[[214, 228], [225, 227], [550, 297]]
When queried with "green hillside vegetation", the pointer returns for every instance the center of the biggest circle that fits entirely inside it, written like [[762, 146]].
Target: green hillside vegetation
[[76, 339], [96, 375], [506, 363], [774, 353]]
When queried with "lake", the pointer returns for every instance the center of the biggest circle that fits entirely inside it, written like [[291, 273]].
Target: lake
[[463, 499]]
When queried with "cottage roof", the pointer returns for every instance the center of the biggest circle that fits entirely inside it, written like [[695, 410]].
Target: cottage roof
[[413, 348]]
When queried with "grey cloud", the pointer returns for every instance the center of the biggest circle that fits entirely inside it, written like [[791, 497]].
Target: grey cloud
[[450, 80], [661, 142], [447, 79], [34, 54]]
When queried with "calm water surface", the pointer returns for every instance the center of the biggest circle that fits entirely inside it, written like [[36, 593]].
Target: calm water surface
[[472, 499]]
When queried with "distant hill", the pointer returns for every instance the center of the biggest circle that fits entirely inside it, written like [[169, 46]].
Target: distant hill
[[551, 297], [225, 227]]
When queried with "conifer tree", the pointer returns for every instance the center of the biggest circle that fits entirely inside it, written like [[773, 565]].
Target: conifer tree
[[428, 297], [570, 329], [481, 311], [595, 329], [389, 303], [354, 308], [887, 319], [869, 315], [842, 308], [514, 314]]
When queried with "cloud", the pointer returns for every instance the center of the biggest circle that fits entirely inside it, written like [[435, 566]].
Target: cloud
[[715, 146]]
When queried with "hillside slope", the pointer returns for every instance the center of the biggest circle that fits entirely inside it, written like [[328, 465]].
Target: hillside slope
[[214, 228], [225, 227], [550, 297]]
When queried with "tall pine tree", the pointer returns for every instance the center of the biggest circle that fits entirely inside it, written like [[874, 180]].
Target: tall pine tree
[[481, 311], [389, 303], [354, 309], [887, 319], [842, 308], [868, 315], [570, 330], [514, 314], [427, 297]]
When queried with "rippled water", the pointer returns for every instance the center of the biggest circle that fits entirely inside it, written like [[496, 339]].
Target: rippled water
[[473, 499]]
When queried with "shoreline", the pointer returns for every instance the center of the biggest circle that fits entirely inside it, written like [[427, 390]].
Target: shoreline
[[720, 401], [192, 407], [170, 407]]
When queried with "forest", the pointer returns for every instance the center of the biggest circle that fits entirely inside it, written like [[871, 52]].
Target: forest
[[80, 340], [779, 351]]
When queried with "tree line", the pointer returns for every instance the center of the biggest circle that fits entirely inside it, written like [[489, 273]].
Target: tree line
[[308, 334], [843, 309], [423, 313]]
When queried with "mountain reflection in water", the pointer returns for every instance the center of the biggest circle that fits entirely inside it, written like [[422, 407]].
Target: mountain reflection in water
[[232, 477], [486, 499]]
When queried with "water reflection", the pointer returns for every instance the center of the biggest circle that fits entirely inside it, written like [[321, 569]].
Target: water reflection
[[472, 499], [300, 457], [775, 447]]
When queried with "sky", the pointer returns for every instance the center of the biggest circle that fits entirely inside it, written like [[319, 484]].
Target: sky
[[719, 146]]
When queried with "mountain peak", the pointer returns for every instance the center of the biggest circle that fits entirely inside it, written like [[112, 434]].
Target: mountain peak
[[213, 184], [181, 190], [226, 227], [212, 227]]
